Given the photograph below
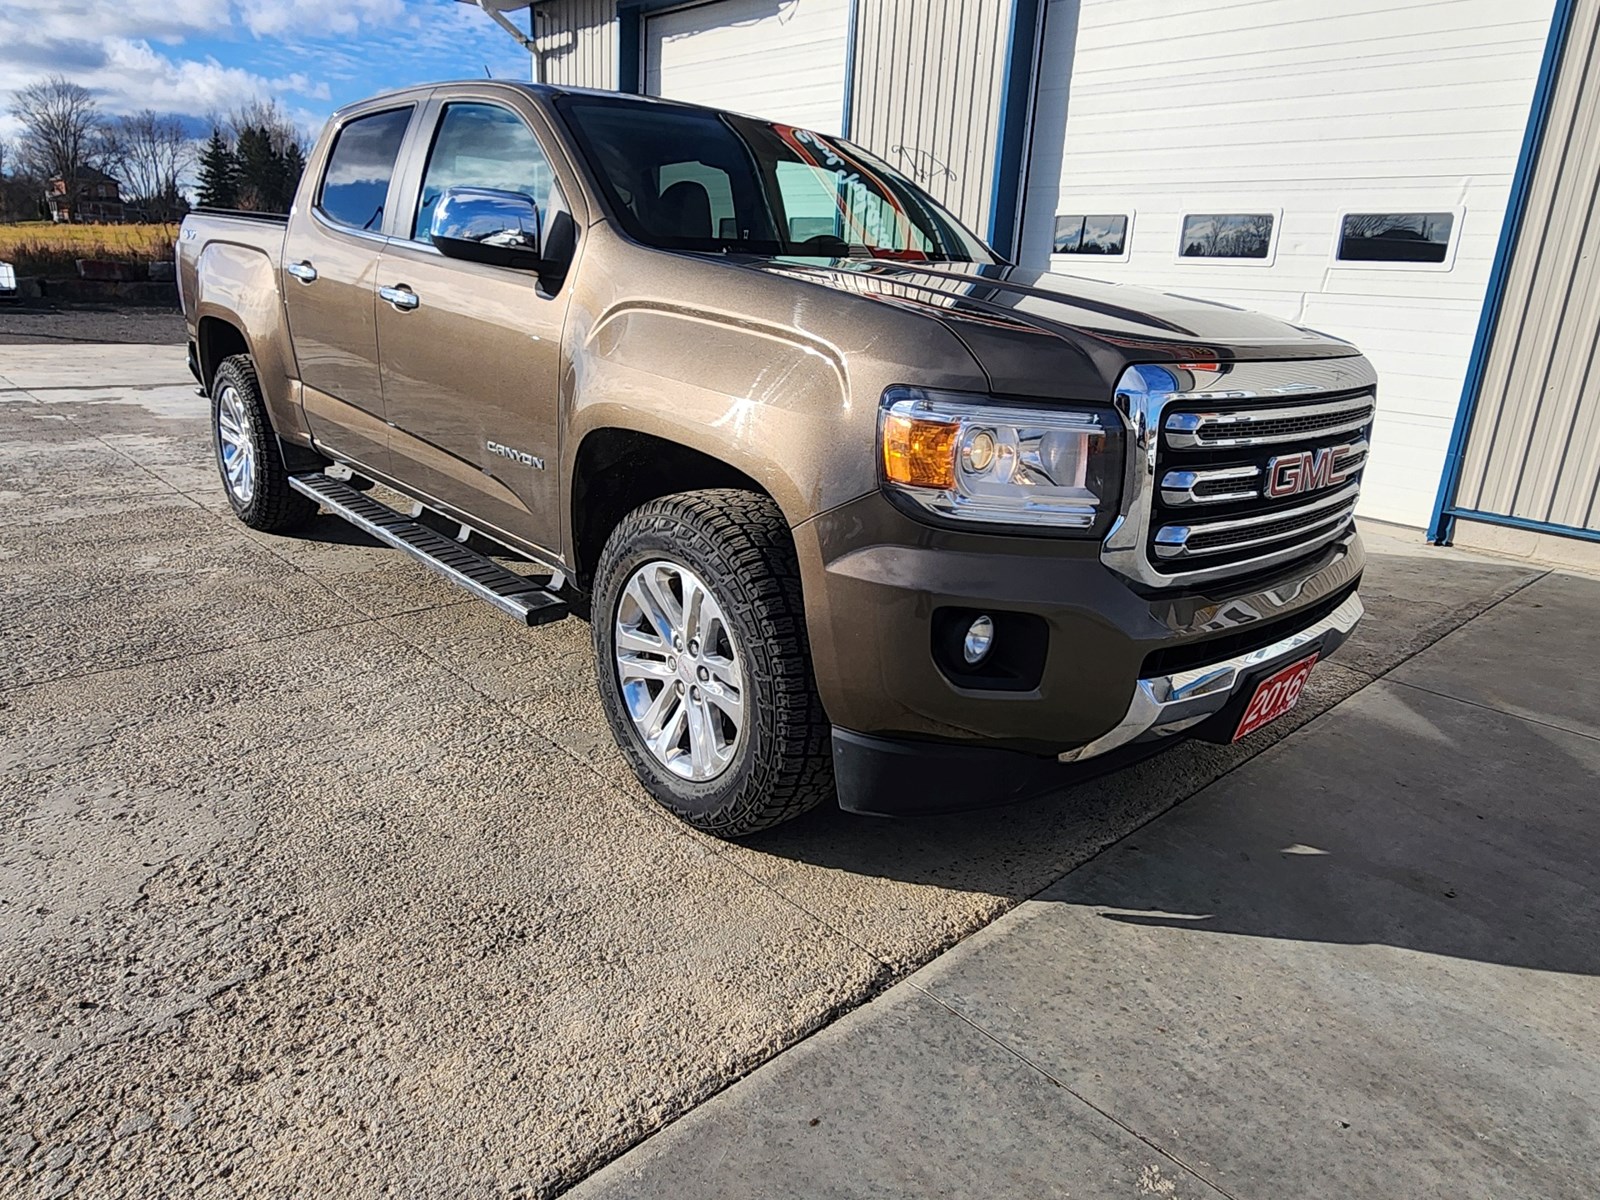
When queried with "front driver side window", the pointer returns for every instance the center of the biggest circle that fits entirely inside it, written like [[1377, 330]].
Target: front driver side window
[[484, 145]]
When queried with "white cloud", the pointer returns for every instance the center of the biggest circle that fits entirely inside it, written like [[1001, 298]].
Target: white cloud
[[306, 18], [197, 57], [82, 20]]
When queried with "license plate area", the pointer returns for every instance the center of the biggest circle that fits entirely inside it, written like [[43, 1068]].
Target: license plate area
[[1274, 696]]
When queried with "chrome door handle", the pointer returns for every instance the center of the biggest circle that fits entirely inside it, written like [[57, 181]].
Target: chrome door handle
[[303, 271], [401, 297]]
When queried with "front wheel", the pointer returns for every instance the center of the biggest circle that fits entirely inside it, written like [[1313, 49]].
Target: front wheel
[[704, 668]]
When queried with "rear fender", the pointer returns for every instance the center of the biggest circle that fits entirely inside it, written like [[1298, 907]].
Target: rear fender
[[238, 285]]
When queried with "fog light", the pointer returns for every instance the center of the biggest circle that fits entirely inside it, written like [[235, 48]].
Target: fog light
[[980, 636]]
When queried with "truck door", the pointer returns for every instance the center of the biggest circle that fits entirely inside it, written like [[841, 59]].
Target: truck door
[[330, 262], [471, 353]]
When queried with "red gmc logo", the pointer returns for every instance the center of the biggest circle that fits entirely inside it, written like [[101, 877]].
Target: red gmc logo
[[1309, 471]]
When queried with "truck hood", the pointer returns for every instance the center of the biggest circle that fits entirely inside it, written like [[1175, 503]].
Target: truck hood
[[1036, 333]]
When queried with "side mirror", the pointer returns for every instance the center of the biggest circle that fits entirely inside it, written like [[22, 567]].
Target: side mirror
[[489, 226]]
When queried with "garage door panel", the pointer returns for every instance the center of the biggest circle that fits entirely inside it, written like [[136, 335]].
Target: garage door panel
[[782, 59]]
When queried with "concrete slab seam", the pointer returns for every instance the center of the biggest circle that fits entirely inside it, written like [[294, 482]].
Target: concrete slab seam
[[1070, 1090], [1489, 708]]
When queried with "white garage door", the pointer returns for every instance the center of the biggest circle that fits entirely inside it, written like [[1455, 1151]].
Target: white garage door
[[781, 59]]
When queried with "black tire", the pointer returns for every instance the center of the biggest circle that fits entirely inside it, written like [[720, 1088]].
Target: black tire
[[272, 505], [738, 544]]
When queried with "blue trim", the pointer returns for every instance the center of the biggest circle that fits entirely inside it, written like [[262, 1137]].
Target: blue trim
[[1444, 511], [849, 69], [1572, 531], [630, 41], [1016, 96]]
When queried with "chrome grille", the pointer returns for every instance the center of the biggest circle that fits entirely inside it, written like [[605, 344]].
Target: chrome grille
[[1215, 430], [1219, 461], [1249, 533]]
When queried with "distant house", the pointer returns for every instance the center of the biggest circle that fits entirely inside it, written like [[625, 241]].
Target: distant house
[[93, 196]]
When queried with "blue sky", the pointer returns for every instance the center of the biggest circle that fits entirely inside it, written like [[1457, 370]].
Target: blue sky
[[196, 57]]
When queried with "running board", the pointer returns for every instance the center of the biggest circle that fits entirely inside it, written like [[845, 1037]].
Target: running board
[[521, 597]]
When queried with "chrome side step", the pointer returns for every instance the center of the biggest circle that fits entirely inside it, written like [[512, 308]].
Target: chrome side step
[[521, 597]]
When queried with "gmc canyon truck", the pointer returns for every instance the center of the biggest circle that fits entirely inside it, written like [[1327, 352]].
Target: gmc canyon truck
[[854, 508]]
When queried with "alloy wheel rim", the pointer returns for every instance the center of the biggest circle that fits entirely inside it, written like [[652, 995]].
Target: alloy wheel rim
[[680, 670], [235, 447]]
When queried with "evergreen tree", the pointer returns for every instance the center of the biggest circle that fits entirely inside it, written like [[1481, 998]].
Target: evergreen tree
[[219, 174], [260, 171], [294, 166]]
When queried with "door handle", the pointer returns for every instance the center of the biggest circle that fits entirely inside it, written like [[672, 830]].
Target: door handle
[[303, 271], [401, 297]]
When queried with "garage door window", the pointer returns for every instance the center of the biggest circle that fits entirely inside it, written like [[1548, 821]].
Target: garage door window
[[1240, 237], [1417, 239], [1106, 236]]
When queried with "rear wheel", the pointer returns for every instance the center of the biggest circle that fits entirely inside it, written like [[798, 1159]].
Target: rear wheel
[[703, 663], [253, 474]]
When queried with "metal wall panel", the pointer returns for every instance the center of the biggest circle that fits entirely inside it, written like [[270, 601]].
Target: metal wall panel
[[1534, 449], [928, 80], [578, 41]]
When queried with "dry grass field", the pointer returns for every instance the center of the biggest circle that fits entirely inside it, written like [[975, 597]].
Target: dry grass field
[[41, 248]]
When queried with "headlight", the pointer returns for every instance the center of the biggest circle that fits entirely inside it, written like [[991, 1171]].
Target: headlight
[[972, 459]]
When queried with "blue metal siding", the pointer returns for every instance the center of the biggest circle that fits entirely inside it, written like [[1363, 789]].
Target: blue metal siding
[[1444, 511]]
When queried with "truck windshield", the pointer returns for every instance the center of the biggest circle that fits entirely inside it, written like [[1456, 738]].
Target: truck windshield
[[694, 179]]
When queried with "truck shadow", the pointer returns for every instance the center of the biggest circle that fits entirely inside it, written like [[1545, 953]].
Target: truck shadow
[[1402, 818]]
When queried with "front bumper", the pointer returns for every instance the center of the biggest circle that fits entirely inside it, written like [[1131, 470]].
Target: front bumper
[[1163, 705], [1122, 671]]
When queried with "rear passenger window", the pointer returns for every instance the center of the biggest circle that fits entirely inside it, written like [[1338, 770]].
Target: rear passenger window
[[359, 169]]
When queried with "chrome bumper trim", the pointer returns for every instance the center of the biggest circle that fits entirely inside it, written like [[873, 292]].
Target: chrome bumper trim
[[1168, 704]]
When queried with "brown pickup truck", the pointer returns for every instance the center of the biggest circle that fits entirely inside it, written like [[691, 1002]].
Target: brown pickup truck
[[854, 508]]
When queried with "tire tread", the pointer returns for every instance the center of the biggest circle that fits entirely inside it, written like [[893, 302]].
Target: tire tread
[[276, 507], [745, 536]]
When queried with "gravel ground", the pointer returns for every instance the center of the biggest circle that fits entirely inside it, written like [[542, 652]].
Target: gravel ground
[[318, 879], [21, 326]]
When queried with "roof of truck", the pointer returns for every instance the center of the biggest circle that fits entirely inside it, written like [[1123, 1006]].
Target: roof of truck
[[532, 89]]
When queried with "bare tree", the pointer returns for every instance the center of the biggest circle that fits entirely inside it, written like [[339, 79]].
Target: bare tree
[[152, 155], [1254, 236], [61, 130]]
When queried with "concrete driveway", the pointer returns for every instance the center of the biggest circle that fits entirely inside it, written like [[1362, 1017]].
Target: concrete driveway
[[317, 878], [1364, 964]]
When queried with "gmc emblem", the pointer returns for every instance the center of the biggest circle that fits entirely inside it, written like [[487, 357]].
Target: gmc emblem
[[1310, 470]]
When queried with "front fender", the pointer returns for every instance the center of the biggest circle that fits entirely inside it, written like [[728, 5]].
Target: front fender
[[768, 402]]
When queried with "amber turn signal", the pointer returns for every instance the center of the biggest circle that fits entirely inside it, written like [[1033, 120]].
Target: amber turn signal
[[918, 452]]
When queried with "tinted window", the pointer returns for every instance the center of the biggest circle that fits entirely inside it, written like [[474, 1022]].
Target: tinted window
[[357, 182], [1233, 235], [483, 145], [1395, 237], [701, 195], [692, 179], [1091, 235]]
